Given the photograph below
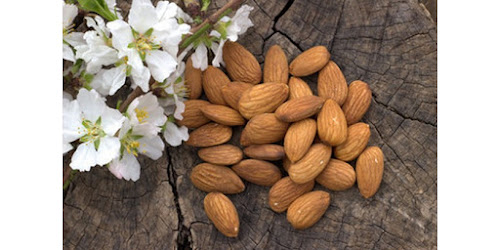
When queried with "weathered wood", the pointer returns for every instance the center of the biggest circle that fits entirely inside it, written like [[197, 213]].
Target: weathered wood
[[391, 45]]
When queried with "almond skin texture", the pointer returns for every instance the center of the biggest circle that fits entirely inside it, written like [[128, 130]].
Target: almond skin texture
[[262, 98], [299, 138], [357, 102], [213, 82], [312, 164], [221, 155], [332, 125], [337, 176], [241, 65], [358, 135], [286, 164], [332, 84], [306, 210], [210, 178], [276, 65], [369, 171], [258, 172], [310, 61], [299, 108], [298, 88], [263, 129], [192, 116], [221, 211], [223, 115], [267, 152], [285, 191], [192, 79], [210, 134], [232, 93]]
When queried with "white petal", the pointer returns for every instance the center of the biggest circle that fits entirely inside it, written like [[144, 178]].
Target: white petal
[[108, 81], [67, 96], [122, 34], [124, 129], [141, 78], [175, 135], [180, 106], [142, 15], [183, 15], [112, 120], [149, 103], [199, 57], [111, 4], [151, 147], [91, 104], [66, 147], [217, 49], [69, 13], [72, 121], [161, 64], [84, 157], [68, 54], [165, 10], [109, 149], [127, 168], [146, 129], [100, 56], [239, 23], [74, 38]]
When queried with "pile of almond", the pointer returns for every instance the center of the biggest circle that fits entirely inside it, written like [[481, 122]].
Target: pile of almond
[[283, 121]]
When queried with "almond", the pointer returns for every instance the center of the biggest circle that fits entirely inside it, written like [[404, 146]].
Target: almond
[[221, 155], [285, 191], [209, 178], [312, 164], [332, 84], [357, 138], [332, 125], [306, 210], [357, 102], [369, 171], [337, 176], [262, 98], [241, 65], [213, 82], [298, 88], [192, 80], [267, 152], [258, 172], [286, 164], [232, 93], [210, 134], [298, 139], [192, 116], [263, 129], [276, 65], [221, 211], [299, 108], [310, 61], [223, 115]]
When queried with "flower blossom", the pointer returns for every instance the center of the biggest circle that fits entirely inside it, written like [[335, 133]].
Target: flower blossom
[[70, 39]]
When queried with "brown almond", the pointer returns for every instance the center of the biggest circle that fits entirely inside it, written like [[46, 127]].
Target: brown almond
[[332, 126], [357, 102], [192, 116], [312, 164], [299, 108], [209, 178], [285, 191], [221, 155], [263, 129], [241, 65], [213, 82], [223, 115], [192, 80], [299, 138], [267, 152], [332, 83], [298, 88], [306, 210], [286, 163], [257, 172], [358, 135], [369, 171], [210, 134], [310, 61], [276, 65], [221, 211], [337, 175], [232, 93], [262, 98]]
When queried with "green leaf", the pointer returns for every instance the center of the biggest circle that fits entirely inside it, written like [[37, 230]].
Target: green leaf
[[87, 124], [76, 67], [196, 35], [148, 32], [204, 5], [88, 78], [96, 144], [99, 120], [131, 45], [136, 137], [98, 6]]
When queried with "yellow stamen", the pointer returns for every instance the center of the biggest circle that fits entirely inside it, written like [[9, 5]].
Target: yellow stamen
[[141, 114]]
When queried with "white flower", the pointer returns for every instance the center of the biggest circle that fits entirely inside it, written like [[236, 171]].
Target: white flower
[[89, 119], [239, 22], [145, 111], [70, 38], [177, 91], [199, 57], [174, 135], [108, 81]]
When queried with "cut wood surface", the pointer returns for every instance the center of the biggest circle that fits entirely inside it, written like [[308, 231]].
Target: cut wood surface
[[392, 46]]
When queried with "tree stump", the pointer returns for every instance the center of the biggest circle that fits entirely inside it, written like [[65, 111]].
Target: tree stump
[[392, 46]]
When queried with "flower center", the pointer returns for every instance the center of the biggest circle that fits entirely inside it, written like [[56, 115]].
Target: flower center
[[141, 115], [144, 43], [92, 132], [131, 146]]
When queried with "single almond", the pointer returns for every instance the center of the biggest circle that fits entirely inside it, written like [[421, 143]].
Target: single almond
[[276, 65], [210, 134], [267, 152], [298, 88], [358, 135], [223, 115], [232, 93], [357, 102], [262, 98], [192, 80], [210, 178], [213, 82], [257, 172], [221, 155], [241, 65], [221, 211], [286, 163], [285, 191], [312, 164], [306, 210], [332, 83], [332, 125], [192, 115], [263, 129], [299, 108], [310, 61], [337, 176], [369, 171], [299, 138]]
